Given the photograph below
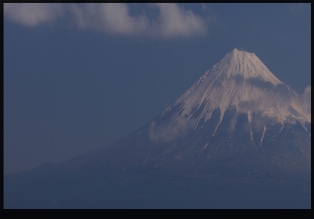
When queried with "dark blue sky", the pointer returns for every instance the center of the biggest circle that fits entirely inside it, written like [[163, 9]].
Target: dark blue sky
[[77, 77]]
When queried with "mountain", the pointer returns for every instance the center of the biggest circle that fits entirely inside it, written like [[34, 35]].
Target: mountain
[[237, 107], [238, 132]]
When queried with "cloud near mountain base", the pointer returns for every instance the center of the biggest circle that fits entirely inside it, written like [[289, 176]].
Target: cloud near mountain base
[[177, 127]]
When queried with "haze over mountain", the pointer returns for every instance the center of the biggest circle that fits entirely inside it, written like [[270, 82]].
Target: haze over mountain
[[237, 127]]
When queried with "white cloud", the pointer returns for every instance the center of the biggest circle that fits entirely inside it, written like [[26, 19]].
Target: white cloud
[[110, 18], [306, 100], [172, 21], [178, 126], [307, 94], [32, 15]]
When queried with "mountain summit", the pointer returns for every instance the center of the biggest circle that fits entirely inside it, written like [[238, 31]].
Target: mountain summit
[[239, 138], [241, 81], [246, 65]]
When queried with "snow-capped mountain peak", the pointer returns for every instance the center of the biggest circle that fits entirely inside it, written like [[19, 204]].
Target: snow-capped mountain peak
[[245, 64], [241, 81]]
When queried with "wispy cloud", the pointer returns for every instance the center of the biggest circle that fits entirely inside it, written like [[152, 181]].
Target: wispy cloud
[[280, 98], [172, 20], [33, 14], [305, 100], [109, 18], [177, 127]]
